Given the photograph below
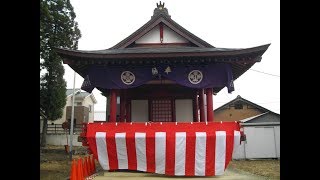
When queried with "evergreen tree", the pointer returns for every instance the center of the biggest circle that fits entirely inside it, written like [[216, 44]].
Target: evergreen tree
[[58, 28]]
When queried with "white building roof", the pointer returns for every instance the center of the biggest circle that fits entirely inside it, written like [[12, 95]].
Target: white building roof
[[252, 117]]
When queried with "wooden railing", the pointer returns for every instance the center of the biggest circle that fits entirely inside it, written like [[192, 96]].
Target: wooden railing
[[57, 129]]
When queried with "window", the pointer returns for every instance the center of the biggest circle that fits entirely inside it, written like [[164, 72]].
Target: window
[[161, 110]]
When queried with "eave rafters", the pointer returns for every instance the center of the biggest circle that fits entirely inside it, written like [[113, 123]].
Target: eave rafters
[[151, 61]]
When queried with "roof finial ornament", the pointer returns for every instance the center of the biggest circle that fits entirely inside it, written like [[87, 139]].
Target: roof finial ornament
[[160, 6], [160, 9]]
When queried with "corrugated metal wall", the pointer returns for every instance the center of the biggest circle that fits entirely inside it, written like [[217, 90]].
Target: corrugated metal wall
[[262, 142]]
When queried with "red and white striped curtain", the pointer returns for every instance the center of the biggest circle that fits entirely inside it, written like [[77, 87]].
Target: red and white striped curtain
[[175, 149]]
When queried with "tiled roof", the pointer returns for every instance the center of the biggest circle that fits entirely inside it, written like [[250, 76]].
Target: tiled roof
[[70, 91], [82, 95]]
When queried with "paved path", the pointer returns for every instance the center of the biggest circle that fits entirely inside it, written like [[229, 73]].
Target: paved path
[[229, 174]]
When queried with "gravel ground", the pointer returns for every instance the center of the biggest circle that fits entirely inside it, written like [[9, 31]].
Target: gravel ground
[[55, 165], [269, 168]]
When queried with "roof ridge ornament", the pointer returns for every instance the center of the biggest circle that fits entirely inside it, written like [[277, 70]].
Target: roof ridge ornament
[[160, 6], [160, 9]]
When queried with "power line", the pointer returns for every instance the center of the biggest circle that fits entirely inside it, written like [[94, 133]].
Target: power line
[[265, 73], [269, 102]]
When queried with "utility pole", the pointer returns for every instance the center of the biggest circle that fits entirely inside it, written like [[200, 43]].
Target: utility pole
[[72, 115]]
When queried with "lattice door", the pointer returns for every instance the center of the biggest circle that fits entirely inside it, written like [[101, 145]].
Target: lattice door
[[161, 110]]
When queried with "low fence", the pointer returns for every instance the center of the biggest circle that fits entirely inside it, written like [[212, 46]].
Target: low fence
[[263, 141], [61, 139], [57, 129], [56, 135]]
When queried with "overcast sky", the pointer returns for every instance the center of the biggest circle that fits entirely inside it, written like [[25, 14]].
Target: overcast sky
[[221, 23]]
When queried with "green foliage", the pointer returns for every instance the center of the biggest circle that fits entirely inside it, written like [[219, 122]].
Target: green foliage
[[58, 28]]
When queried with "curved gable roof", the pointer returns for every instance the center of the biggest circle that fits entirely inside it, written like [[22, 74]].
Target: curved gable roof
[[157, 18]]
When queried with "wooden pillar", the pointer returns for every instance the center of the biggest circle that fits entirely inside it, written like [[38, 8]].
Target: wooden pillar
[[128, 110], [212, 107], [161, 32], [201, 104], [209, 105], [113, 105], [195, 107], [107, 108], [122, 105], [107, 102]]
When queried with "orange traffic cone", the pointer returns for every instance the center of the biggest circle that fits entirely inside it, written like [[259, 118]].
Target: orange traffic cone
[[73, 171], [93, 165], [80, 171], [85, 169], [88, 166]]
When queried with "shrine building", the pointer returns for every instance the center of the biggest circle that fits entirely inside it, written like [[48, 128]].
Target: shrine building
[[161, 72]]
